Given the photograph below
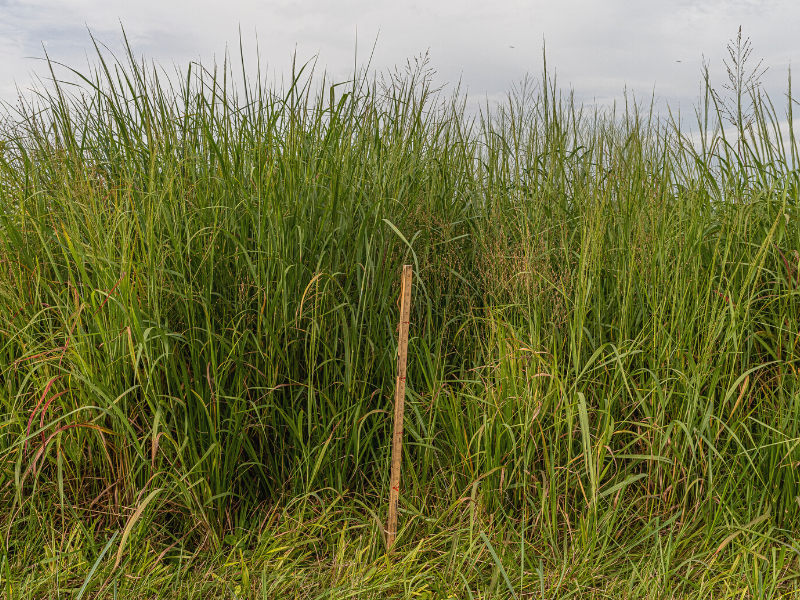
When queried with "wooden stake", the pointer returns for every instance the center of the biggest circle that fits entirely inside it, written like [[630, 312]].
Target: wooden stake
[[399, 404]]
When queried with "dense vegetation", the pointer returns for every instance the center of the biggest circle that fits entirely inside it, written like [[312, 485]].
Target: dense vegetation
[[198, 317]]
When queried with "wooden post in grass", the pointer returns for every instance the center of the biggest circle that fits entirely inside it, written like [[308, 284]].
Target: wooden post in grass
[[399, 404]]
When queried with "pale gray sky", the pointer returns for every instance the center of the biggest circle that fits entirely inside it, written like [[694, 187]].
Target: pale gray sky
[[597, 47]]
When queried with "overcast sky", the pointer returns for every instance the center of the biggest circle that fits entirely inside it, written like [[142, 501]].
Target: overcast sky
[[596, 47]]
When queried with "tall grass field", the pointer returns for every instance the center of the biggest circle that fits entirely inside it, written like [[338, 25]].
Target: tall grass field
[[199, 295]]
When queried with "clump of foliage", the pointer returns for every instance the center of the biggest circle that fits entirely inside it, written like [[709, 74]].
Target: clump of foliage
[[198, 309]]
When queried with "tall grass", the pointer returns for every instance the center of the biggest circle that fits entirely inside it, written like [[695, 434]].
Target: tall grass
[[198, 309]]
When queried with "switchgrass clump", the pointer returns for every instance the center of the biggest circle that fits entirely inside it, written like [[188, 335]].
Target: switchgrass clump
[[198, 313]]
